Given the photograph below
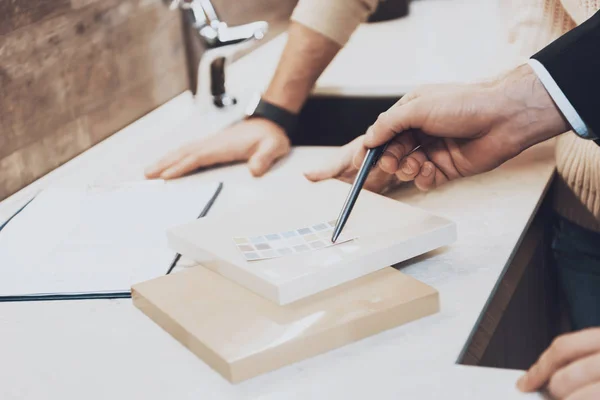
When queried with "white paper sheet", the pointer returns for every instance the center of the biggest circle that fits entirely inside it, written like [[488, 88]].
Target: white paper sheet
[[95, 239]]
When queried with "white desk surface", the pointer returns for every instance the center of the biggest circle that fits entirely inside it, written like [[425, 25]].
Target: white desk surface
[[108, 349], [440, 41]]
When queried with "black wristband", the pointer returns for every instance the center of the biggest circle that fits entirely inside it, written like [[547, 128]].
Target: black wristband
[[282, 117]]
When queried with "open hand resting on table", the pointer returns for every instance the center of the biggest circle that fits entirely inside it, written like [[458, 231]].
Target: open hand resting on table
[[258, 141], [463, 129], [569, 369]]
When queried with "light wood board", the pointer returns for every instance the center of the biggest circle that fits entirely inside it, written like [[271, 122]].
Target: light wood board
[[242, 335]]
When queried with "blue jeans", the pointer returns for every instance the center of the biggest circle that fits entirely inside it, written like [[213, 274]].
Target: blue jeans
[[577, 256]]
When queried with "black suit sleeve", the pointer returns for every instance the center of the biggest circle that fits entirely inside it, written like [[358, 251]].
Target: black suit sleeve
[[573, 61]]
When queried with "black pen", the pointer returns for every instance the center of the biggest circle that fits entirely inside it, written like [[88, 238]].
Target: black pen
[[371, 159], [369, 162]]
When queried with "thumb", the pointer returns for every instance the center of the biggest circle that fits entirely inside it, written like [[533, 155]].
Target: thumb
[[265, 155]]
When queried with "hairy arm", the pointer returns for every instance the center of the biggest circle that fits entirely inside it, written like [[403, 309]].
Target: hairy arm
[[306, 54], [318, 31]]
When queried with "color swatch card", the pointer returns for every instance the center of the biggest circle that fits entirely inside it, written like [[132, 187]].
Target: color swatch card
[[280, 247], [287, 243]]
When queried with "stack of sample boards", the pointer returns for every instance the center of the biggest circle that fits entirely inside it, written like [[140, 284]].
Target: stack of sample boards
[[272, 289]]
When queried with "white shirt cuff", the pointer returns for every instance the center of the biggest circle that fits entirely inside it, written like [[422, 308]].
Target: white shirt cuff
[[561, 100]]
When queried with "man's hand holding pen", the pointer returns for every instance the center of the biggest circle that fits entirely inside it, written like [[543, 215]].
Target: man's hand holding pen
[[464, 130]]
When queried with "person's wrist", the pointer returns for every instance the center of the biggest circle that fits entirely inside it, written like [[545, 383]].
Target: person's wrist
[[264, 109], [291, 104], [527, 112], [266, 124]]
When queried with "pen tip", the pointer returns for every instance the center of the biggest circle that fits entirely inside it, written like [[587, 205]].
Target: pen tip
[[334, 237]]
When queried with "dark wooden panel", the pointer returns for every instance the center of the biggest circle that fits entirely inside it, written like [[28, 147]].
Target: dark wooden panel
[[15, 14], [525, 314], [74, 74]]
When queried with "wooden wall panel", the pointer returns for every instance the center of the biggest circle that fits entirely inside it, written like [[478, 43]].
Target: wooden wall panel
[[73, 72]]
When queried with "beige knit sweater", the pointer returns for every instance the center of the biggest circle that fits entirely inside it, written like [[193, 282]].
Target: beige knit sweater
[[531, 25]]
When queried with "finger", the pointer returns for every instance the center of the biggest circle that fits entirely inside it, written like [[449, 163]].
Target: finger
[[331, 170], [338, 165], [396, 120], [359, 157], [589, 392], [574, 376], [440, 155], [406, 98], [399, 147], [166, 162], [186, 165], [341, 166], [564, 350], [205, 153], [426, 179], [411, 165], [378, 180], [424, 89], [440, 177], [265, 155]]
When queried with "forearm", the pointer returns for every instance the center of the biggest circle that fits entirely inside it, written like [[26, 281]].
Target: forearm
[[525, 109], [306, 54], [560, 92], [319, 29]]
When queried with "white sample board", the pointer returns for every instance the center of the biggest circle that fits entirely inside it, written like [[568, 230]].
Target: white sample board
[[381, 232]]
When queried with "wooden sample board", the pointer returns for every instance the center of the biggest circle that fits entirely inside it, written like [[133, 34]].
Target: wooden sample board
[[385, 232], [241, 334]]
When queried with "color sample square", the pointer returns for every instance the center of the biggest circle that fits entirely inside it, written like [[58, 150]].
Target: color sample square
[[325, 234], [289, 234], [301, 248], [311, 238], [251, 256], [304, 231], [258, 239], [268, 254], [319, 227], [332, 223], [240, 240], [295, 241], [285, 251], [245, 247], [273, 236], [317, 245], [262, 246], [278, 244]]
